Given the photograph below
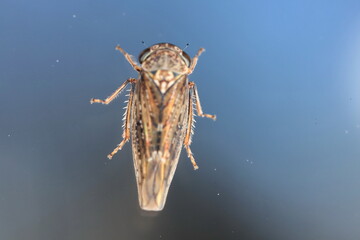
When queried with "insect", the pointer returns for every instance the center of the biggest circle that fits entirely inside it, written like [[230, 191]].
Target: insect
[[159, 118]]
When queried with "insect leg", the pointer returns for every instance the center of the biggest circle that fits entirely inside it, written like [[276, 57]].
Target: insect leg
[[189, 131], [198, 105], [128, 58], [126, 132], [194, 60], [114, 94]]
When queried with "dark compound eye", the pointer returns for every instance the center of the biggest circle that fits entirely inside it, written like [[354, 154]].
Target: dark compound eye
[[144, 55], [186, 58]]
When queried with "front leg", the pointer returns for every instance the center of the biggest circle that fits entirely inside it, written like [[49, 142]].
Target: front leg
[[114, 94], [128, 58], [194, 61]]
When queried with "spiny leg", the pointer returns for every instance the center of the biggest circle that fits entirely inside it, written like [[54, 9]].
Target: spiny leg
[[194, 60], [189, 132], [114, 94], [128, 58], [191, 156], [126, 132], [198, 105]]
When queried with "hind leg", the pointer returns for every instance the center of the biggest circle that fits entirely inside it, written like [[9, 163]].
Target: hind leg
[[189, 132]]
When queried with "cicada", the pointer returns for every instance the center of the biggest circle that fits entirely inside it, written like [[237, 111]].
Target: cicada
[[159, 118]]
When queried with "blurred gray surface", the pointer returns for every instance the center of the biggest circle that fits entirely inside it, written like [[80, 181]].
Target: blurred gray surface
[[281, 161]]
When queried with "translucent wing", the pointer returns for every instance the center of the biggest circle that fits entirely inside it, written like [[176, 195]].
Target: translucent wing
[[158, 128]]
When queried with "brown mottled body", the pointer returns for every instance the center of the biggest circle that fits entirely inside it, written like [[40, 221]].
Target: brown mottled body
[[159, 118]]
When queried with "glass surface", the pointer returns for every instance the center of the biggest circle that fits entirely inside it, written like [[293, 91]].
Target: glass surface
[[281, 162]]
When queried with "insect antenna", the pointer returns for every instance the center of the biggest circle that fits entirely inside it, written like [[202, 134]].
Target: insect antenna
[[186, 46]]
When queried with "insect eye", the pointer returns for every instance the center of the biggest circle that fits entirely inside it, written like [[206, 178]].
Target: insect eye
[[186, 58], [153, 72], [144, 55]]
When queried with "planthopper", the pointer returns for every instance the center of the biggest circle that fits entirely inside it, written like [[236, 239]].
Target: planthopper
[[159, 118]]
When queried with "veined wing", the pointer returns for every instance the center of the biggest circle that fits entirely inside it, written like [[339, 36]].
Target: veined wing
[[158, 129]]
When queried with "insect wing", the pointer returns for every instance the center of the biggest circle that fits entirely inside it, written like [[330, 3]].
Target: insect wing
[[158, 129]]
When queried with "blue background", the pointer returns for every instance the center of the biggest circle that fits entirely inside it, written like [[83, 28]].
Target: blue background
[[281, 161]]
